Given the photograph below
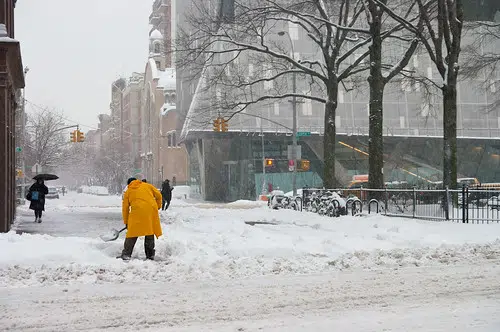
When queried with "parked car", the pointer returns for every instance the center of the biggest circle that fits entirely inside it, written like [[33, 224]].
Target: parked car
[[53, 193]]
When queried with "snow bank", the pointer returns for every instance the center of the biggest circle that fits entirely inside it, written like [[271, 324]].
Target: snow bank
[[181, 192], [95, 190], [202, 243]]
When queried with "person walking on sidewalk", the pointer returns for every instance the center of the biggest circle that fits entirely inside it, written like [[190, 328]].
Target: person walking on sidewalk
[[36, 195], [140, 206], [166, 193]]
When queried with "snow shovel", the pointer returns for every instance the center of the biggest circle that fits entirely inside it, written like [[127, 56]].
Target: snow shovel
[[112, 235]]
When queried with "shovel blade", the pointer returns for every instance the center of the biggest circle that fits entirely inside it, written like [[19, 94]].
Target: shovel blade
[[111, 236]]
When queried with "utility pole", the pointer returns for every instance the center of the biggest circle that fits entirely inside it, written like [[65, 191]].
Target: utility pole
[[263, 160], [294, 134], [294, 111]]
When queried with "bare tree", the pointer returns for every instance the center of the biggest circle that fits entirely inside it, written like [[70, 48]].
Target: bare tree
[[46, 144], [379, 64], [336, 31], [482, 58], [441, 38]]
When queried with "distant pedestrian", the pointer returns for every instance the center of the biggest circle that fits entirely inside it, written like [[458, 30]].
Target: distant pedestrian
[[140, 206], [36, 195], [166, 194], [63, 190]]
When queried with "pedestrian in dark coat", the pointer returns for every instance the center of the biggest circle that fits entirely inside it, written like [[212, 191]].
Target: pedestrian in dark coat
[[36, 195], [166, 194]]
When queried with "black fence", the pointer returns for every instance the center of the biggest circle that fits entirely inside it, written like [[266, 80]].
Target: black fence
[[465, 205]]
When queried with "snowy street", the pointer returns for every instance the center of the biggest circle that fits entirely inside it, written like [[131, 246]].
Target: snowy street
[[462, 298], [301, 272]]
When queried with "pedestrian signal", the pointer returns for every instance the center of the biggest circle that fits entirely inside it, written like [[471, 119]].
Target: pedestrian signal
[[72, 136], [269, 162], [304, 165]]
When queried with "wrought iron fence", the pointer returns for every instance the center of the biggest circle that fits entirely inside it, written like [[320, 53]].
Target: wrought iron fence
[[464, 205]]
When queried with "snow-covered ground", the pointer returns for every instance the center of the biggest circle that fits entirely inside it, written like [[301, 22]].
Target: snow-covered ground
[[215, 271]]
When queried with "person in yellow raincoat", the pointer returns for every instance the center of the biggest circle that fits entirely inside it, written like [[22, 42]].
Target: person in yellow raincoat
[[140, 206]]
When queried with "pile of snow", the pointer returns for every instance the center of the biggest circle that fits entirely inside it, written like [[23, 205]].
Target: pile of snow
[[216, 243], [181, 192], [95, 190]]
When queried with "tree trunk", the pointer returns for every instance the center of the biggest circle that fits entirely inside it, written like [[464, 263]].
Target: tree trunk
[[377, 84], [329, 139], [450, 132]]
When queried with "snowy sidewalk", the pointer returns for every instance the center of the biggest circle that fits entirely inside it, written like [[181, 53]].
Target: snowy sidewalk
[[458, 298]]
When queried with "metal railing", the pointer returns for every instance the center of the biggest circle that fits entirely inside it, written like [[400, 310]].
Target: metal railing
[[463, 205]]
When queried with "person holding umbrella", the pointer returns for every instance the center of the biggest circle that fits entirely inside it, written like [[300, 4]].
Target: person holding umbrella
[[36, 195], [37, 192]]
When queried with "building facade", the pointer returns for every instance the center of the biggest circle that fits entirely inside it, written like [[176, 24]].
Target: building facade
[[132, 96], [11, 80], [161, 156], [161, 19], [412, 126]]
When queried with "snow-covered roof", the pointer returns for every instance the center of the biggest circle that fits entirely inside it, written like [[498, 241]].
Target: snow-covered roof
[[155, 34], [167, 79]]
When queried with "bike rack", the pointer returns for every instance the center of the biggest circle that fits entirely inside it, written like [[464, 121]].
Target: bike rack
[[356, 202], [297, 199], [377, 204], [336, 205]]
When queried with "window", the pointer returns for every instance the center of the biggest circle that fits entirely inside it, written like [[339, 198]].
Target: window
[[276, 108], [293, 30], [429, 73], [174, 139], [157, 48], [415, 61], [158, 64], [402, 122], [169, 141], [250, 69], [307, 107], [268, 74], [341, 96]]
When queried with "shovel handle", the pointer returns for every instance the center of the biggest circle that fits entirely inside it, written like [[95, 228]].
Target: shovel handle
[[121, 230]]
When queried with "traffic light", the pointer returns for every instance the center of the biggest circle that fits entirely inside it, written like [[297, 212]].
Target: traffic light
[[19, 173], [269, 162], [223, 125], [80, 137], [217, 124], [72, 136]]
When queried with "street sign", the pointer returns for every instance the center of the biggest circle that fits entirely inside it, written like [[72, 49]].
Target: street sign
[[137, 171], [296, 155], [36, 168], [19, 149], [303, 133]]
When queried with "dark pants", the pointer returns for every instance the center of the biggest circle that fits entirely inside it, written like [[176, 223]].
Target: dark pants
[[149, 246], [167, 203], [38, 213]]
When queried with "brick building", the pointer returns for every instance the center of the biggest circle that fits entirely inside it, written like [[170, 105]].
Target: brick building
[[11, 80]]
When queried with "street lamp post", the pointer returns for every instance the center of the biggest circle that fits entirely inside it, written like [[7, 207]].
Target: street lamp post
[[294, 121]]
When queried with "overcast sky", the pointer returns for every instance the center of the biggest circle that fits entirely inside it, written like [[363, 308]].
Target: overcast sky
[[75, 49]]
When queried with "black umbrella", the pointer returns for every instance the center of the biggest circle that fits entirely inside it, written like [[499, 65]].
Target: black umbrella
[[45, 177]]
